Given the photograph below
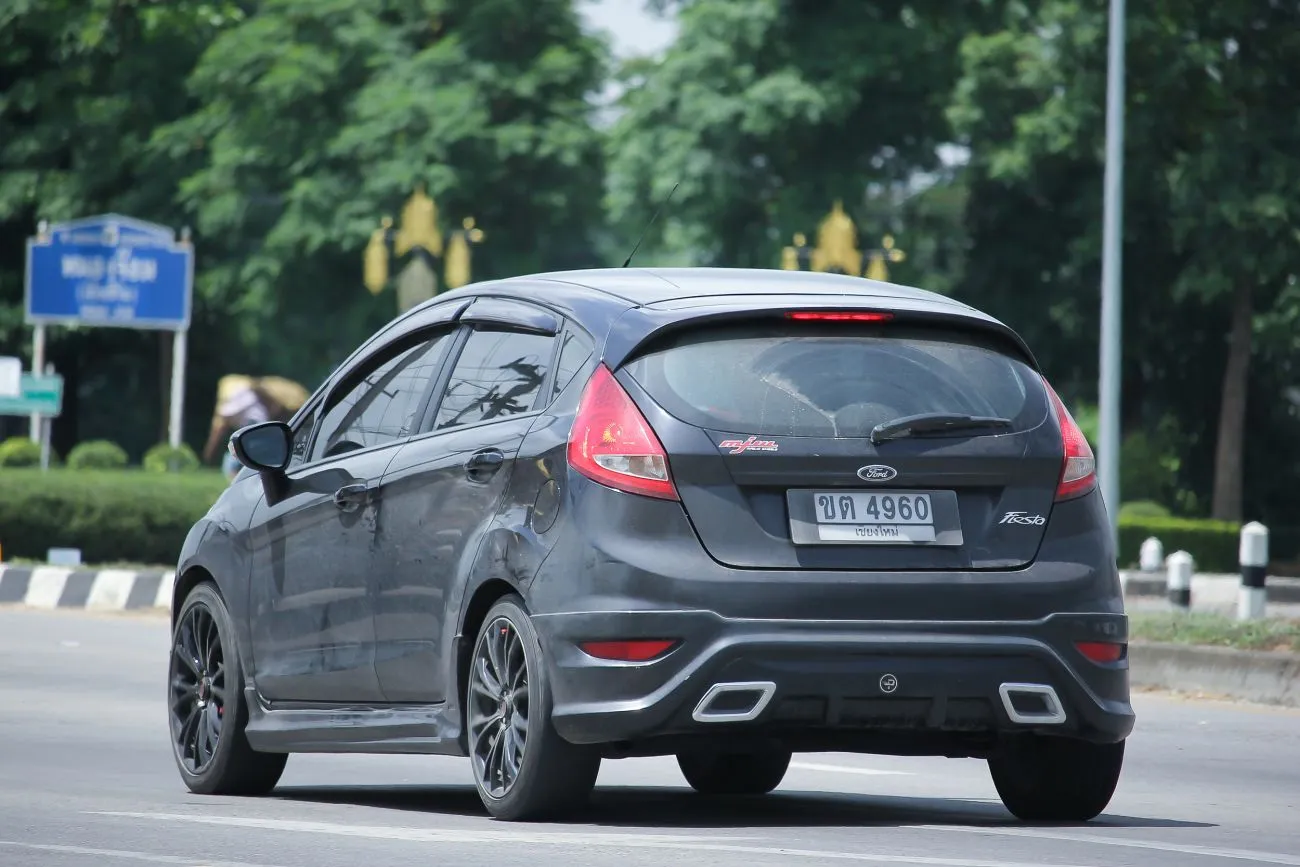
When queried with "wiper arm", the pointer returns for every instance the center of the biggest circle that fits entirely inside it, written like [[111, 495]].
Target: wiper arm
[[934, 422]]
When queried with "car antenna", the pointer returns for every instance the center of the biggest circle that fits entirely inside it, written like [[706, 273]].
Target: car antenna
[[649, 224]]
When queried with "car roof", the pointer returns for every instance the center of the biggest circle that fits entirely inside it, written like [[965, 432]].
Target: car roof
[[655, 286], [626, 306]]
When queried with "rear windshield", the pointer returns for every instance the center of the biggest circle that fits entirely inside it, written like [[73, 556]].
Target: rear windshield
[[833, 380]]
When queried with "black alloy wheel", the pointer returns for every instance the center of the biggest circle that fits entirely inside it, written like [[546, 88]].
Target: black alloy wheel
[[206, 712], [198, 689], [498, 708], [523, 769]]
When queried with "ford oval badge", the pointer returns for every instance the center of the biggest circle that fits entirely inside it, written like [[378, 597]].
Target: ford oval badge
[[877, 473]]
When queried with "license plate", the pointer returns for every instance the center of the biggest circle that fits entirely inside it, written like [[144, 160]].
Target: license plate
[[848, 517], [873, 517]]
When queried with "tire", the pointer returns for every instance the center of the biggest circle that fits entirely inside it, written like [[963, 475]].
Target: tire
[[545, 776], [1056, 779], [751, 773], [205, 700]]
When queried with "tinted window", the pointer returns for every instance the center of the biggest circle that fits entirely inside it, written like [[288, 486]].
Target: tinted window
[[498, 374], [824, 380], [574, 352], [382, 406]]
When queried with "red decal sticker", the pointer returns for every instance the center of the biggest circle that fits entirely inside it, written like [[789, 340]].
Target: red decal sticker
[[749, 445]]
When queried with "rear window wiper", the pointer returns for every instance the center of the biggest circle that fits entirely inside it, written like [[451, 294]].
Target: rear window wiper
[[934, 422]]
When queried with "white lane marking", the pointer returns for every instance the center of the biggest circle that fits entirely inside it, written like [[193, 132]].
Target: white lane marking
[[163, 598], [848, 769], [110, 589], [440, 835], [127, 855], [1095, 840], [563, 838], [46, 586]]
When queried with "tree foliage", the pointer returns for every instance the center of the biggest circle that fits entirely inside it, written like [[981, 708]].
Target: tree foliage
[[1209, 244], [767, 111], [283, 130]]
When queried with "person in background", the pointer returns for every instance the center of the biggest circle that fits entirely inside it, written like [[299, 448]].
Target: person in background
[[244, 400]]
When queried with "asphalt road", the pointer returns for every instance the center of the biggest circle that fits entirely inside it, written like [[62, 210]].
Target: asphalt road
[[86, 778]]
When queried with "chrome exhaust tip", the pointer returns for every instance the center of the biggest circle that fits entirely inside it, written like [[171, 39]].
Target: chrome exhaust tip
[[1031, 704], [734, 702]]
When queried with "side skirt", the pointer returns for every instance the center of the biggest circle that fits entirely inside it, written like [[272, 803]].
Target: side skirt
[[393, 729]]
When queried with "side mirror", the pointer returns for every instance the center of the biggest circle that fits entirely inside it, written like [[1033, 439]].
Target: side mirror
[[265, 447]]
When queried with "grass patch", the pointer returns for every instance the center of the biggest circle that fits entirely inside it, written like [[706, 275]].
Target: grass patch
[[1215, 630]]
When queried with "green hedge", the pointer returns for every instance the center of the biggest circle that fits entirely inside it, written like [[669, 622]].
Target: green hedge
[[1212, 544], [19, 452], [98, 455], [112, 516]]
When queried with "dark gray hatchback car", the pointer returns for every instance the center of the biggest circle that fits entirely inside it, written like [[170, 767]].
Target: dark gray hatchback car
[[725, 515]]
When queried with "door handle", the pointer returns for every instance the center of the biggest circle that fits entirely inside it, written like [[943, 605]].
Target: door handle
[[482, 465], [350, 497]]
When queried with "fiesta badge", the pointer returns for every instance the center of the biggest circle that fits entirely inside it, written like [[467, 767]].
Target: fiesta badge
[[877, 473]]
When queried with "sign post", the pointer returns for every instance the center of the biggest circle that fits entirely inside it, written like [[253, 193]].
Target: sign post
[[111, 271], [41, 398]]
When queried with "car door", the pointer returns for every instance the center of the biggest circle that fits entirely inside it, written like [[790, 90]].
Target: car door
[[312, 611], [445, 487]]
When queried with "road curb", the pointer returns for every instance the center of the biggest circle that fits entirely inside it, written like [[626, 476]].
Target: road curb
[[86, 589], [1210, 586], [1259, 676]]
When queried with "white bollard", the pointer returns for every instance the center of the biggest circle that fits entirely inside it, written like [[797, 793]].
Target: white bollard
[[1178, 580], [1253, 556], [1151, 555]]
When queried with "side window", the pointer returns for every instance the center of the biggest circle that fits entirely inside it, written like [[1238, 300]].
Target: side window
[[574, 353], [381, 407], [302, 437], [499, 374]]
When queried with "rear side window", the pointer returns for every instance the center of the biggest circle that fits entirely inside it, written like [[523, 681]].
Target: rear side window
[[574, 352], [499, 374], [833, 380]]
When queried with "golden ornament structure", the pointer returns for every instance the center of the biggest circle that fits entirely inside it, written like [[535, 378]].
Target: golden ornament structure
[[417, 243], [877, 267], [837, 250]]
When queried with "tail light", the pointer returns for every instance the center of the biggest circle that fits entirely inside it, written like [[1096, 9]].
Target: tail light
[[636, 650], [612, 443], [1101, 651], [1079, 468]]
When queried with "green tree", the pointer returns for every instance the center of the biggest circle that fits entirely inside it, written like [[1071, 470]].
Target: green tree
[[83, 86], [319, 116], [766, 112], [1210, 253]]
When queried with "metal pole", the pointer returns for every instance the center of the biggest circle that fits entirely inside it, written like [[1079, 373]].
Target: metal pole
[[1112, 236], [35, 428], [45, 443], [178, 387]]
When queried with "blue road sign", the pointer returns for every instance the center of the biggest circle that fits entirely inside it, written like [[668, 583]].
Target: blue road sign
[[109, 271]]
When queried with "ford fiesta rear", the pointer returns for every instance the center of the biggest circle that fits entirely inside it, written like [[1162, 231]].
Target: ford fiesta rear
[[860, 530]]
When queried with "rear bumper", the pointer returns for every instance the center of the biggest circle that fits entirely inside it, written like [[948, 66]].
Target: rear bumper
[[827, 685]]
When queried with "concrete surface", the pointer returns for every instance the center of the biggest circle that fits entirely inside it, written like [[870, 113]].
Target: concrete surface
[[1209, 590], [91, 589], [86, 778], [1257, 676]]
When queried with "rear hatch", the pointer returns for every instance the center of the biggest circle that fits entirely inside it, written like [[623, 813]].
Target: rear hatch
[[768, 428]]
